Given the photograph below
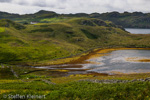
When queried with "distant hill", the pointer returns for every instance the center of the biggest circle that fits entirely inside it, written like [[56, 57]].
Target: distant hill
[[44, 12], [126, 19], [5, 15]]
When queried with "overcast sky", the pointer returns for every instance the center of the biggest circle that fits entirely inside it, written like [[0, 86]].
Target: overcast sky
[[74, 6]]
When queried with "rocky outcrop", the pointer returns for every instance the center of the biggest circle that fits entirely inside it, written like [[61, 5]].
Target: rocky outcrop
[[116, 81]]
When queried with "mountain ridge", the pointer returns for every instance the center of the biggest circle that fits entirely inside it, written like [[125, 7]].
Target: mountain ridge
[[126, 19]]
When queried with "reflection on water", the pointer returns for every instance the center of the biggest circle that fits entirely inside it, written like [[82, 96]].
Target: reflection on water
[[117, 62], [114, 62]]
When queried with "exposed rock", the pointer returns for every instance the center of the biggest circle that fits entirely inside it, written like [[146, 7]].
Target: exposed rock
[[15, 74], [134, 80], [116, 81], [99, 22], [147, 79], [48, 82], [87, 22]]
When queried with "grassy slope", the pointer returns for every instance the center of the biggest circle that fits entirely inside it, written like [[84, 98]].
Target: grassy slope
[[43, 42], [29, 45], [71, 89], [39, 44], [77, 90]]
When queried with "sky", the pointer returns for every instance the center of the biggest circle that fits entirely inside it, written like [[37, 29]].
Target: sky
[[74, 6]]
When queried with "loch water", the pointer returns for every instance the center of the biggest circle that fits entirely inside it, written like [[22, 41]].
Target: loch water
[[121, 61], [138, 31]]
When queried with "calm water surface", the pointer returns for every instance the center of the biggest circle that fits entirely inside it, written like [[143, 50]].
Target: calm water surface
[[113, 62], [138, 31], [117, 61]]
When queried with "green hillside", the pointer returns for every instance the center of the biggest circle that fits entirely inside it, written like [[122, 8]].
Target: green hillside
[[126, 19], [43, 42]]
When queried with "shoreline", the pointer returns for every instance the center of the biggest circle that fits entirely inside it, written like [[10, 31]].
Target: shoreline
[[92, 54], [97, 53], [101, 52], [81, 58]]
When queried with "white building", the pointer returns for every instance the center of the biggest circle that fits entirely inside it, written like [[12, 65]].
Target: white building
[[33, 22]]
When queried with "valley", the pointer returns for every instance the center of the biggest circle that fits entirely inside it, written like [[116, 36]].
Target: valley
[[62, 56]]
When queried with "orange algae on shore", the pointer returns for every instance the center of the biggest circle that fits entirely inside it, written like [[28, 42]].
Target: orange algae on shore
[[138, 59], [144, 60], [104, 52], [114, 49], [99, 52]]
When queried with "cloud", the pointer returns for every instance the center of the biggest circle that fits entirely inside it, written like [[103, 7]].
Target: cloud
[[5, 0], [39, 3], [77, 6]]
